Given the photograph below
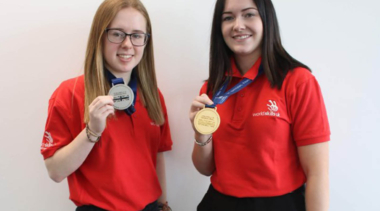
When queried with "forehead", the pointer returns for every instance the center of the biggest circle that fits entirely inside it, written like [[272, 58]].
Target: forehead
[[238, 5], [129, 19]]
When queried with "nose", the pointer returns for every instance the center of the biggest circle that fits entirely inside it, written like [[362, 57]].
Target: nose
[[127, 43], [239, 24]]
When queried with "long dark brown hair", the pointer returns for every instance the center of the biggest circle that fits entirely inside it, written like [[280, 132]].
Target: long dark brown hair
[[275, 60]]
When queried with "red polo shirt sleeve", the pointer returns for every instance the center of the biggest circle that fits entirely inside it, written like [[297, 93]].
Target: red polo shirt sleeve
[[165, 139], [57, 131], [307, 110], [204, 89]]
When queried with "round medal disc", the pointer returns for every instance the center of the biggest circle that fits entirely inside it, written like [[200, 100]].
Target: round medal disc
[[207, 121], [122, 96]]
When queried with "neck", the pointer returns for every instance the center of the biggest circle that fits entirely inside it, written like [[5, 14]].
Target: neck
[[245, 62], [125, 75]]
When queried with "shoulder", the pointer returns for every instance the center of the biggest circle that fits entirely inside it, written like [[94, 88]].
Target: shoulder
[[79, 80], [298, 77], [203, 88], [69, 89]]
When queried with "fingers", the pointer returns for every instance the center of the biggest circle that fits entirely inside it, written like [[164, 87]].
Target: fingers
[[100, 102], [205, 99], [102, 105], [100, 108], [106, 109], [109, 111], [199, 102]]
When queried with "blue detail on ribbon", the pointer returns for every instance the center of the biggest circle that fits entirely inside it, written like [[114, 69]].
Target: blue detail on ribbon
[[132, 84], [221, 95], [117, 80]]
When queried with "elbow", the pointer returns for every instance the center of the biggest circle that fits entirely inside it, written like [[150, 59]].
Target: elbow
[[55, 177], [203, 168], [53, 172], [205, 173]]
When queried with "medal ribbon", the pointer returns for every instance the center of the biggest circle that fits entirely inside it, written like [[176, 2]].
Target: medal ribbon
[[132, 84], [221, 95]]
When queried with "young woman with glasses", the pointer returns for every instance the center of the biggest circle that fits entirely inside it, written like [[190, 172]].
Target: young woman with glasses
[[107, 129], [260, 123]]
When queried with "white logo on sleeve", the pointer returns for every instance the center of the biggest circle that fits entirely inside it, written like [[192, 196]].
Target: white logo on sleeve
[[48, 137], [49, 141], [272, 107]]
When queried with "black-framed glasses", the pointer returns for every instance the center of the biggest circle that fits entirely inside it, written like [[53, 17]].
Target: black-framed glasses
[[118, 36]]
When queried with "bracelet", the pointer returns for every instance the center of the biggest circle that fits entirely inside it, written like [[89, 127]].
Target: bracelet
[[92, 133], [164, 206], [205, 143]]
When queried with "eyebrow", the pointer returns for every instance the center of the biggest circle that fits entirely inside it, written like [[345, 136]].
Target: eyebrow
[[133, 31], [243, 10]]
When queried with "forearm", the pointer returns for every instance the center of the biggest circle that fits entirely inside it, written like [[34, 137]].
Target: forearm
[[69, 158], [203, 156], [317, 193], [160, 168]]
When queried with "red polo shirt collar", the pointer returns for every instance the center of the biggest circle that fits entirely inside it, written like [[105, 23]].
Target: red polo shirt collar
[[250, 74]]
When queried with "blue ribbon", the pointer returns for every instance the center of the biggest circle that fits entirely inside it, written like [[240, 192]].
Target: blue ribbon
[[132, 84], [221, 95]]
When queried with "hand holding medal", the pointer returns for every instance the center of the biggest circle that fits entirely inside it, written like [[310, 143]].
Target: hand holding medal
[[205, 119], [99, 109]]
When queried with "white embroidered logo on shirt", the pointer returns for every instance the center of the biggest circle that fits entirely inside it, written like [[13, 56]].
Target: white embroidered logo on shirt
[[272, 107], [154, 124]]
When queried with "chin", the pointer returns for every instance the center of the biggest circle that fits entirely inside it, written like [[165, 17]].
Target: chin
[[123, 70], [242, 53], [127, 68]]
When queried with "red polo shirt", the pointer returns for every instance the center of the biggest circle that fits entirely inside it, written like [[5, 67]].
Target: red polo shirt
[[255, 147], [120, 171]]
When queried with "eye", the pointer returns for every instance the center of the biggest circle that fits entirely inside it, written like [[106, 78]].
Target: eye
[[227, 18], [137, 36], [117, 34], [249, 15]]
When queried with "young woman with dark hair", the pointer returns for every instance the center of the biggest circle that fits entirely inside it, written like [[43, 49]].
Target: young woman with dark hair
[[112, 159], [270, 136]]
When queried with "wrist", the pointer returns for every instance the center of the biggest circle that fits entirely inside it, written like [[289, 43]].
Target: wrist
[[164, 206], [201, 137], [203, 140], [91, 135], [94, 127]]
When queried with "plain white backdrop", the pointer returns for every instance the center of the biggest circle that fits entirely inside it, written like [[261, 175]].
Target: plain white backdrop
[[42, 43]]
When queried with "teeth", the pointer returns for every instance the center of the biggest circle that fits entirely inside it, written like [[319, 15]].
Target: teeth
[[125, 56], [242, 37]]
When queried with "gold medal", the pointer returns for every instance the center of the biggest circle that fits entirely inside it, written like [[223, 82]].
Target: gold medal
[[207, 121]]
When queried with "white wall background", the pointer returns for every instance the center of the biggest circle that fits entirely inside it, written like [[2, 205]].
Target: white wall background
[[42, 43]]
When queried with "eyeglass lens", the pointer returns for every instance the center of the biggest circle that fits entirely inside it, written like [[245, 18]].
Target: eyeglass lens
[[117, 36]]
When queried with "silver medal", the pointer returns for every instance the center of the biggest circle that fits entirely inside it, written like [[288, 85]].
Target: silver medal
[[122, 96]]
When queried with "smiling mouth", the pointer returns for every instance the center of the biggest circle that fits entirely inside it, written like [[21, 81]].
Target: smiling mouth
[[124, 56], [241, 37]]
